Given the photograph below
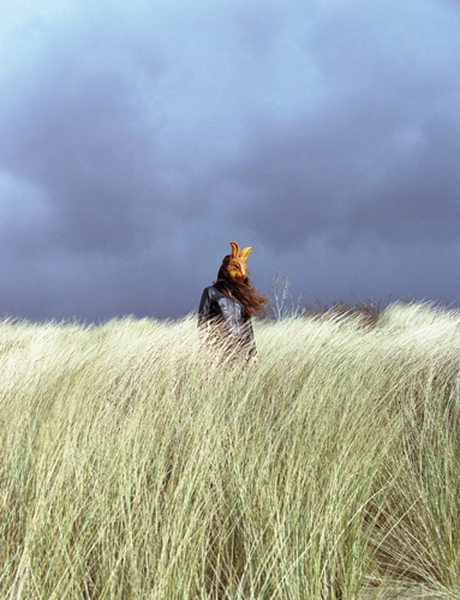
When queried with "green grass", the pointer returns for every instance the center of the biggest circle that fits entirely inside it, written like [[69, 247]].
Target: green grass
[[134, 465]]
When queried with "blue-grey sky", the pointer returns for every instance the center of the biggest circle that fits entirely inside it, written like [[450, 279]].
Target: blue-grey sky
[[137, 138]]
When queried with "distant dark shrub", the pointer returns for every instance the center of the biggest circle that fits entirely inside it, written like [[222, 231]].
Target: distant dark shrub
[[367, 311]]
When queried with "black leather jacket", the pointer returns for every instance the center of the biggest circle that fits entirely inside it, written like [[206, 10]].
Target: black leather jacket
[[226, 317]]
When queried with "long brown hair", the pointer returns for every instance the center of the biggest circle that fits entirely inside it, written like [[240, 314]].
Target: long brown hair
[[255, 304]]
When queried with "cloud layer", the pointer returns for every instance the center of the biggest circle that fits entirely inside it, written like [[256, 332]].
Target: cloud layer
[[138, 139]]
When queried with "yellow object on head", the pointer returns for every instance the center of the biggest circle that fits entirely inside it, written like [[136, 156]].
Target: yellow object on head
[[237, 268]]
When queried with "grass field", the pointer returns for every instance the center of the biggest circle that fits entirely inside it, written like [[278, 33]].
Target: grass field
[[134, 465]]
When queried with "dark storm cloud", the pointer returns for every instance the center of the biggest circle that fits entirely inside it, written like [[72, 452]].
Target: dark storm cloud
[[77, 134], [137, 139], [378, 155]]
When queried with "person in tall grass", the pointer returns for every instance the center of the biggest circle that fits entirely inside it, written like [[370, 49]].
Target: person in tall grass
[[228, 305]]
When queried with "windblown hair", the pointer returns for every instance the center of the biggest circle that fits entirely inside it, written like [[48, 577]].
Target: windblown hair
[[255, 304]]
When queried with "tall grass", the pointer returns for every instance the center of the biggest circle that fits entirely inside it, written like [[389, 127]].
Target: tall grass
[[134, 464]]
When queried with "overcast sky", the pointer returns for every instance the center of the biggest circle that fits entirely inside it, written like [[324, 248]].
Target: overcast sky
[[139, 137]]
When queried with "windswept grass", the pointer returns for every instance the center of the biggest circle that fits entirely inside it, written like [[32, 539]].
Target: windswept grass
[[135, 465]]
